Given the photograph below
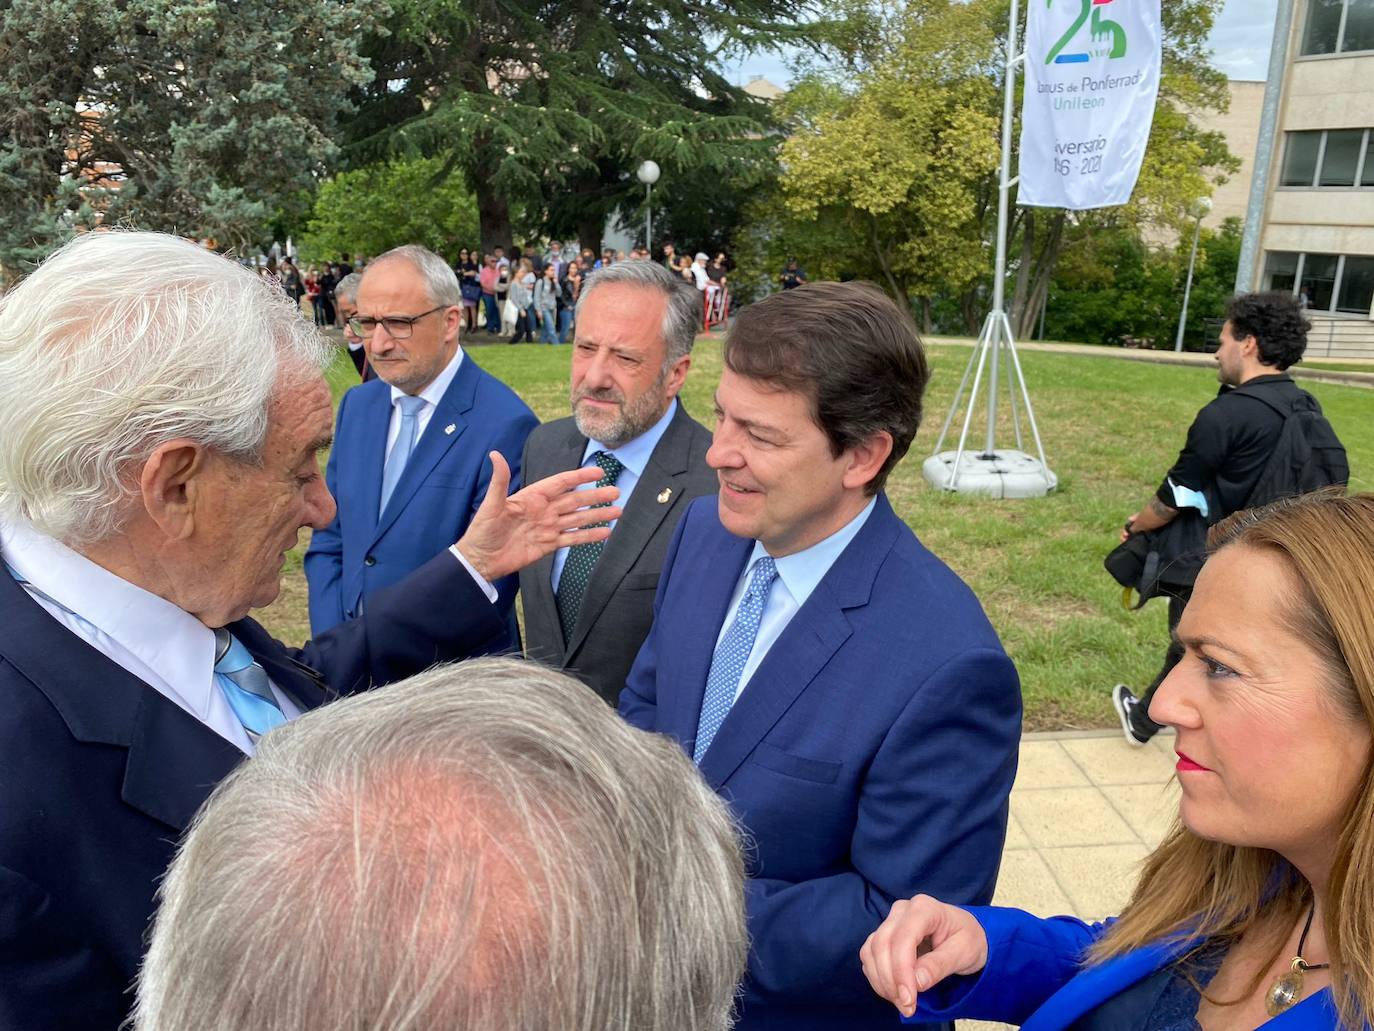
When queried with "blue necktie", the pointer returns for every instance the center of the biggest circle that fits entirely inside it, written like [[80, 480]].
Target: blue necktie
[[405, 443], [732, 654], [245, 686]]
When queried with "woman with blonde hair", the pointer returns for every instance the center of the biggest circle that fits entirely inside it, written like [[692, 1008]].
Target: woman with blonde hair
[[1257, 910]]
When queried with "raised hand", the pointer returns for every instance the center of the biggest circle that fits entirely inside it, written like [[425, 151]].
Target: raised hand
[[921, 942], [508, 533]]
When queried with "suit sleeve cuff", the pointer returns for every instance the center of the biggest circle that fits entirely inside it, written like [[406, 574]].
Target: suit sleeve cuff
[[477, 577]]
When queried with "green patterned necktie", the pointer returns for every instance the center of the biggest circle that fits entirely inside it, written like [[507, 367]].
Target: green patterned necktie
[[581, 560]]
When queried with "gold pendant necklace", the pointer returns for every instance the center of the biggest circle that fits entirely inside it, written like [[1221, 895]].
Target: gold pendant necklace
[[1287, 988]]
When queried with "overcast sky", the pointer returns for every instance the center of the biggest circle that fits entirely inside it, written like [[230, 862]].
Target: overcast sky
[[1240, 43]]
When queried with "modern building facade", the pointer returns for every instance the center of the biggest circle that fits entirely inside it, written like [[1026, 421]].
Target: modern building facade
[[1317, 236]]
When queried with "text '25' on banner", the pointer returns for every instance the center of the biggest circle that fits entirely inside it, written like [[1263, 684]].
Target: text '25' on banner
[[1092, 74]]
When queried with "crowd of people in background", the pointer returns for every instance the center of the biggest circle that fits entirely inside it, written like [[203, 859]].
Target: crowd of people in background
[[524, 295]]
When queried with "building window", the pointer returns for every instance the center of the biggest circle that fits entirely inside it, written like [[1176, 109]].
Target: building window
[[1357, 285], [1341, 284], [1328, 157], [1338, 27]]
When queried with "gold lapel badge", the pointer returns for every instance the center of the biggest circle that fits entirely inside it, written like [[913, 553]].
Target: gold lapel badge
[[665, 495]]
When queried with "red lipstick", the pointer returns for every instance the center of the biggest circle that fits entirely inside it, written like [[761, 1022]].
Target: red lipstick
[[1187, 765]]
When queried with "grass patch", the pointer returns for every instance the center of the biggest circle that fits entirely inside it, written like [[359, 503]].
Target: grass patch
[[1111, 429]]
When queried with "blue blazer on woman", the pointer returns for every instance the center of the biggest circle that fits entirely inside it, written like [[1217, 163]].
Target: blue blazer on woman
[[1035, 977]]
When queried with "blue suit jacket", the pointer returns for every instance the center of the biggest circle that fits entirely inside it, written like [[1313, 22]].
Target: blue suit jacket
[[99, 775], [870, 756], [1034, 977], [443, 483]]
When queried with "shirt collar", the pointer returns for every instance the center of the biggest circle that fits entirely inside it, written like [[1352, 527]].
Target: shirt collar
[[802, 571], [438, 387], [635, 455], [171, 642]]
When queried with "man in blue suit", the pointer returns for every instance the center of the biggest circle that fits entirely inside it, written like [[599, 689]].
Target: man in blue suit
[[163, 412], [409, 465], [834, 680]]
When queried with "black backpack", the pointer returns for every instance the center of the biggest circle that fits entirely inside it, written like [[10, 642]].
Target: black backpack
[[1307, 456]]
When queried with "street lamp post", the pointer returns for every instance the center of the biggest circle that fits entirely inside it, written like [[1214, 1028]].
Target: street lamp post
[[1199, 211], [648, 175]]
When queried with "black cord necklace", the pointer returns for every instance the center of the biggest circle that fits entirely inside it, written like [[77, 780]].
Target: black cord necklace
[[1287, 988]]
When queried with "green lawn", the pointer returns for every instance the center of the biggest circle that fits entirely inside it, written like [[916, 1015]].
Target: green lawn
[[1111, 428]]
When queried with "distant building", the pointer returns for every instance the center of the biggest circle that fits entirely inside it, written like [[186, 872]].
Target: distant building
[[762, 88], [1317, 233], [1240, 127]]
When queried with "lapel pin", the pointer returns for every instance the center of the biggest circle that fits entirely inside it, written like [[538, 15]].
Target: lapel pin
[[664, 495], [450, 427]]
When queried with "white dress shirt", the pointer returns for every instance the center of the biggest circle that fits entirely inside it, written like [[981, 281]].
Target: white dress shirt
[[166, 647], [798, 575], [431, 396], [634, 456]]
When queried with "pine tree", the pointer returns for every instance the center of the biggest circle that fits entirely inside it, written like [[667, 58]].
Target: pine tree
[[200, 117], [547, 108]]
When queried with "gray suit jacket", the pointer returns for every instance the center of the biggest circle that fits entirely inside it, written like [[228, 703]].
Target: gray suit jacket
[[619, 605]]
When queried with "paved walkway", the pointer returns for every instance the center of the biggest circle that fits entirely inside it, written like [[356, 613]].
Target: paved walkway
[[1317, 375], [1086, 809]]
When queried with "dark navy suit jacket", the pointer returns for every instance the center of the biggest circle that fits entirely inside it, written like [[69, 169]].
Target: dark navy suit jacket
[[442, 485], [99, 775], [1035, 977], [869, 757]]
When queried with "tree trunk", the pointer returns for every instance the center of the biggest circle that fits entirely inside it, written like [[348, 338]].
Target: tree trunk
[[924, 303], [589, 229], [898, 294], [493, 215], [1045, 261], [1023, 269]]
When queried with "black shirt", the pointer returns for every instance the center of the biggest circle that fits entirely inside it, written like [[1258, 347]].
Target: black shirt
[[1229, 443]]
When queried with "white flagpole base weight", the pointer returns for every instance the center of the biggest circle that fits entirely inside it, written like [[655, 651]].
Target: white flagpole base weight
[[1002, 474]]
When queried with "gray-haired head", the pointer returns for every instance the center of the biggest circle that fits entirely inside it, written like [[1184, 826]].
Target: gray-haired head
[[120, 342], [440, 281], [484, 847], [682, 315], [346, 289]]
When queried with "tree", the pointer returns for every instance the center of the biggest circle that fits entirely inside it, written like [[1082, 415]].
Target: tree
[[899, 161], [899, 150], [551, 105], [199, 117], [370, 210]]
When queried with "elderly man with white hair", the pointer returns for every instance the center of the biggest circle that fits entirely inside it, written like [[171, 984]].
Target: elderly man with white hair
[[484, 847], [163, 412]]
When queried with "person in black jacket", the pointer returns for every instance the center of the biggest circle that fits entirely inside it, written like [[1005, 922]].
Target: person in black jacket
[[1228, 447]]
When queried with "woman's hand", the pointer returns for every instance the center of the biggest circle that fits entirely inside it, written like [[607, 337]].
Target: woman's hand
[[921, 942]]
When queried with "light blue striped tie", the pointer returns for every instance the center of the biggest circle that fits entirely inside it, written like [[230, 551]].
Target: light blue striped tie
[[732, 655], [405, 443], [245, 685]]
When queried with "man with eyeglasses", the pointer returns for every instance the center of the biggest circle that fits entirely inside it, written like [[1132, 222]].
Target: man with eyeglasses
[[409, 465]]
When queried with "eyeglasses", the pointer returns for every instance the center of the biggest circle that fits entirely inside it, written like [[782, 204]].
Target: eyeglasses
[[398, 327]]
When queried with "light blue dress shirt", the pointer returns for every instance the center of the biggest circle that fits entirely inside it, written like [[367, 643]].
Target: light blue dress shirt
[[634, 456], [798, 575]]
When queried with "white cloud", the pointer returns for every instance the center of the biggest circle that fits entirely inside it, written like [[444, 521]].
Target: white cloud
[[1241, 38]]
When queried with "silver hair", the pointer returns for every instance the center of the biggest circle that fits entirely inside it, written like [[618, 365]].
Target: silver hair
[[441, 283], [119, 342], [346, 289], [681, 318], [484, 847]]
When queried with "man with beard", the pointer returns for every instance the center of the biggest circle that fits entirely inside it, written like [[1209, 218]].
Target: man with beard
[[1227, 453], [588, 609]]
